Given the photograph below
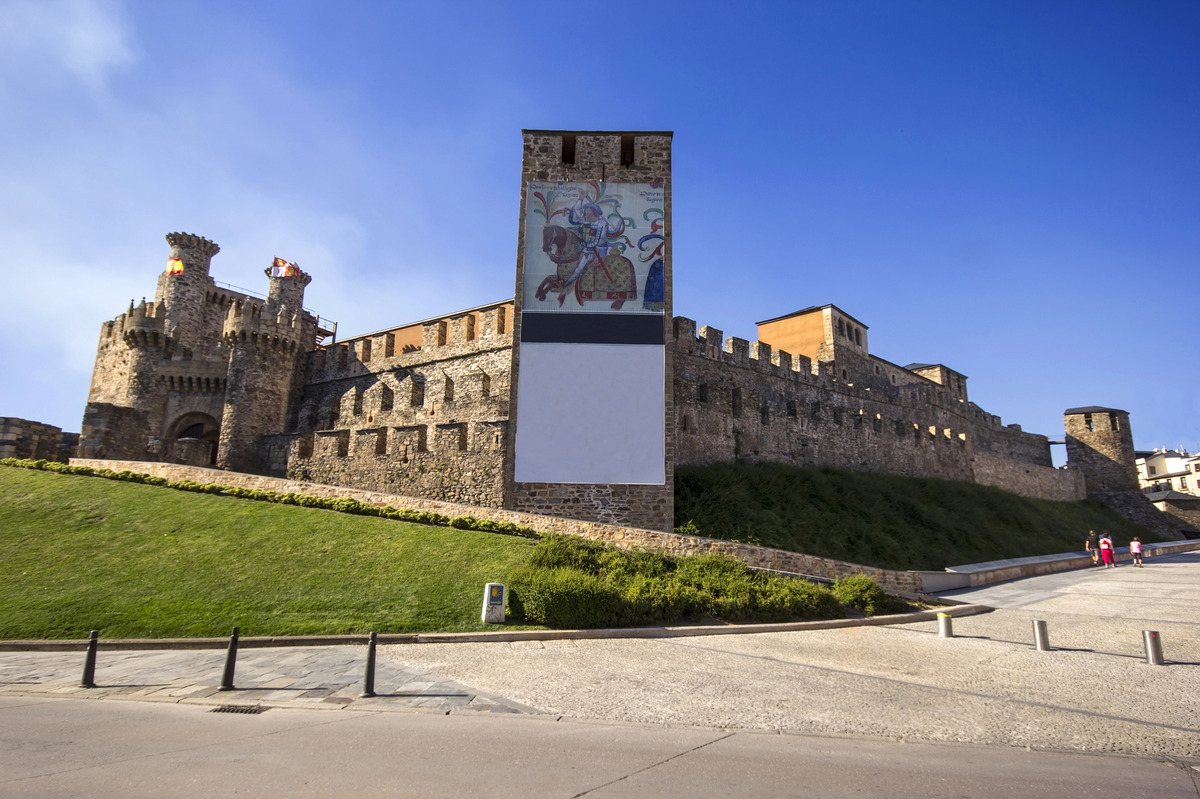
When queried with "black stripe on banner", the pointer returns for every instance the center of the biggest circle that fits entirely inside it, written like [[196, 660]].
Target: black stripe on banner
[[592, 328]]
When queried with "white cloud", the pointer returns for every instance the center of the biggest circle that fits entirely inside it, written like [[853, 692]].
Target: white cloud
[[85, 40]]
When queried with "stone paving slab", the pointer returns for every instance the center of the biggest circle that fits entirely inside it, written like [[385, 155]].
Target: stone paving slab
[[310, 677]]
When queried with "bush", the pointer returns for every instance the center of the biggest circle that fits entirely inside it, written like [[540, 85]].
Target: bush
[[563, 598], [641, 587], [863, 594]]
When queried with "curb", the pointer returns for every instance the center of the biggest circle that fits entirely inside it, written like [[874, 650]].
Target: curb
[[502, 636]]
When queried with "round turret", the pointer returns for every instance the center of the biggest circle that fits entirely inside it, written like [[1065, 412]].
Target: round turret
[[182, 287], [1100, 444]]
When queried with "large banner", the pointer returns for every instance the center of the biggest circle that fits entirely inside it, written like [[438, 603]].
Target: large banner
[[591, 398], [594, 247]]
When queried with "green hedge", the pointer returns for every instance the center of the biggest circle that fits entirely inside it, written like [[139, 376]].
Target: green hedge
[[339, 504], [576, 582]]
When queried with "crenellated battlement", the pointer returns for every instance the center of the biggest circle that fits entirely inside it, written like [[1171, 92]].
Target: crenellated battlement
[[252, 324], [143, 327], [197, 244]]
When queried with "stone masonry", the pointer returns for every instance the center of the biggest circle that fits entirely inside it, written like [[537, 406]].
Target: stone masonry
[[208, 375]]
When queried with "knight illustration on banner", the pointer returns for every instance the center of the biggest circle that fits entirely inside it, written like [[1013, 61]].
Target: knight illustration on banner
[[584, 235]]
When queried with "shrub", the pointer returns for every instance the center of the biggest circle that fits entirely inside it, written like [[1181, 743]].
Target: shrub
[[563, 598], [862, 593], [568, 552]]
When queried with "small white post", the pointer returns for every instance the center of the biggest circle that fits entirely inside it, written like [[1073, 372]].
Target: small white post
[[493, 603], [945, 626]]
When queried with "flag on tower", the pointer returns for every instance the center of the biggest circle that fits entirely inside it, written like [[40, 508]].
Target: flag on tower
[[282, 268], [174, 266]]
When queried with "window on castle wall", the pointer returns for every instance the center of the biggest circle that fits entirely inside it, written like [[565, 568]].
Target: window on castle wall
[[815, 412], [448, 392], [568, 149], [1113, 422], [685, 423], [736, 402], [485, 385], [845, 375], [893, 379], [791, 408], [381, 442], [841, 328], [702, 392], [765, 413], [418, 394], [357, 395], [343, 446], [858, 336], [365, 350], [386, 398], [462, 438], [1087, 422], [422, 439], [389, 345]]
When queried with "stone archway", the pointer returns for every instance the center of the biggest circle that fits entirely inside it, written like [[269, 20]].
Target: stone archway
[[194, 438]]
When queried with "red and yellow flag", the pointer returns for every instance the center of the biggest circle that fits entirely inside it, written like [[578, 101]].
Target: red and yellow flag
[[174, 266], [282, 268]]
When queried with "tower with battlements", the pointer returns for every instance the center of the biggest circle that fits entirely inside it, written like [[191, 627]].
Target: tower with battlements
[[265, 342], [165, 369]]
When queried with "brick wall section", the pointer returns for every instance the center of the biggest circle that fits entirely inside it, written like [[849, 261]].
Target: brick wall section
[[1184, 511], [626, 537], [430, 421], [742, 400], [1029, 480], [21, 438], [1135, 506]]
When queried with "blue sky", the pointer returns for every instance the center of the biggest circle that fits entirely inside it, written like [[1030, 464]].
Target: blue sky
[[1009, 188]]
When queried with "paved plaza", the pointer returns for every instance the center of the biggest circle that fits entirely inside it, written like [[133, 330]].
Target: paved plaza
[[793, 693]]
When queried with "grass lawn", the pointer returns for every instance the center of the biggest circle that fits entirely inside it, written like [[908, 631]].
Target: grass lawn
[[133, 561], [880, 520]]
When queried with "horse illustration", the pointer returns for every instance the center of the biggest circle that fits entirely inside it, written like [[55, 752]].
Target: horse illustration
[[596, 276]]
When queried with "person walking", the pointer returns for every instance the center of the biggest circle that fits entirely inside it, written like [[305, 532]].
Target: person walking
[[1135, 549], [1092, 545], [1106, 551]]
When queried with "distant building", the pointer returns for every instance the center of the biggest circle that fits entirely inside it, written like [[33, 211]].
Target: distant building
[[1163, 470]]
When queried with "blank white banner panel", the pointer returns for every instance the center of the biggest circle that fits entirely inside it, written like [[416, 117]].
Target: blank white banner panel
[[590, 413]]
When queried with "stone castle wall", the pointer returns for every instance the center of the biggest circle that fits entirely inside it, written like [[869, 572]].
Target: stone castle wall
[[1028, 479], [430, 420], [21, 438], [741, 400]]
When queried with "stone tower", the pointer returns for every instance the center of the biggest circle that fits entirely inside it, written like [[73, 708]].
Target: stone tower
[[1100, 445], [265, 343], [592, 398], [181, 294]]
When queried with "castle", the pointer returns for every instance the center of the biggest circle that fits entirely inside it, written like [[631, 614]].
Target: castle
[[487, 405]]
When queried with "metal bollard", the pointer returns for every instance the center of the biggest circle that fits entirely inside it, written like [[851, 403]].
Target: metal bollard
[[230, 662], [369, 677], [1153, 644], [945, 626], [1040, 637], [89, 661]]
